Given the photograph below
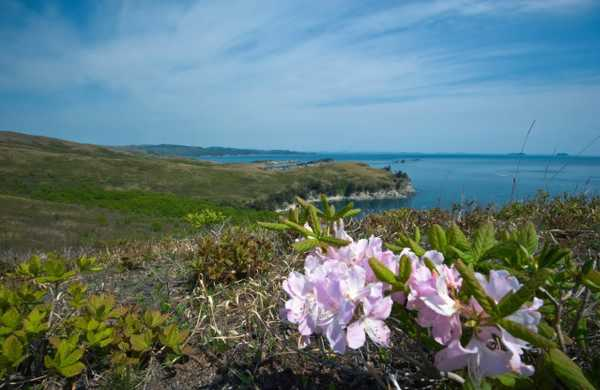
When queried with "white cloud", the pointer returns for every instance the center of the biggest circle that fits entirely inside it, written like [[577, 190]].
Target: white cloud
[[214, 72]]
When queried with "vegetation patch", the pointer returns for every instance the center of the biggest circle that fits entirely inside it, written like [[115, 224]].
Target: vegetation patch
[[52, 329], [237, 253]]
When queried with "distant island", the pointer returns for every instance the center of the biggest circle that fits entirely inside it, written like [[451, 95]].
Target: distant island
[[198, 151]]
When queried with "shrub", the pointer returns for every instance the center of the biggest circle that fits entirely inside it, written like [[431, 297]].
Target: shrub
[[205, 217], [234, 254]]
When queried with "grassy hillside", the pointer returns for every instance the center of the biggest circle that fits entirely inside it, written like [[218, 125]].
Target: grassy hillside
[[142, 188]]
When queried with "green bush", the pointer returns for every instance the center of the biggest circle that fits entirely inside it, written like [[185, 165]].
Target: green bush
[[236, 254], [205, 217]]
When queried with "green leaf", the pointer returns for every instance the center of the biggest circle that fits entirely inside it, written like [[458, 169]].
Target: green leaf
[[343, 212], [393, 248], [592, 280], [300, 229], [437, 238], [141, 342], [415, 247], [30, 268], [302, 202], [352, 213], [69, 355], [72, 370], [383, 273], [100, 337], [173, 338], [551, 255], [405, 269], [483, 240], [527, 236], [35, 322], [523, 333], [457, 238], [465, 256], [503, 250], [12, 350], [334, 241], [294, 215], [417, 234], [514, 300], [153, 318], [567, 371], [88, 264], [315, 222], [474, 287], [327, 210], [306, 245], [546, 330], [430, 264], [11, 319]]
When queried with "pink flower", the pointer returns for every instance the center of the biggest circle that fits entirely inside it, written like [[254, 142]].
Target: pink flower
[[498, 284], [359, 252], [430, 295], [335, 283], [302, 303], [491, 351], [375, 311]]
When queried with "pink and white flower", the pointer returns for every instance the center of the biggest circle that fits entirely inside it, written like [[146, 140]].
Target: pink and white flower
[[492, 350], [338, 296]]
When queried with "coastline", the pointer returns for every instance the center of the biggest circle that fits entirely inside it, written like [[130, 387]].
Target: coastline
[[404, 193]]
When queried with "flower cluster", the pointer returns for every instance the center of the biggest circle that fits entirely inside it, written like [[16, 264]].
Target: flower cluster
[[491, 350], [339, 296]]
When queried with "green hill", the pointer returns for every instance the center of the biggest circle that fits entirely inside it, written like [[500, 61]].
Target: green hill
[[156, 190]]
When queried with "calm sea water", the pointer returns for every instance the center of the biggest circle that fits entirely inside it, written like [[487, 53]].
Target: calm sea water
[[443, 180]]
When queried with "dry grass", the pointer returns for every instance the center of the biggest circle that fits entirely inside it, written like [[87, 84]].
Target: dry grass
[[238, 339]]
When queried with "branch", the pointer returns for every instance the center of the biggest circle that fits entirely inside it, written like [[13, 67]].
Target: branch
[[557, 318]]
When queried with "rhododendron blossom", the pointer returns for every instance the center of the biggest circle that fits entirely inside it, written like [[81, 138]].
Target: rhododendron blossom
[[492, 350], [339, 296]]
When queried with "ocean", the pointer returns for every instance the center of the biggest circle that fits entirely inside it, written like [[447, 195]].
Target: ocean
[[442, 180]]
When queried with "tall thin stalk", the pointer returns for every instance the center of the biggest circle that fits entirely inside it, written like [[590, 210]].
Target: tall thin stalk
[[548, 168], [586, 147], [516, 175]]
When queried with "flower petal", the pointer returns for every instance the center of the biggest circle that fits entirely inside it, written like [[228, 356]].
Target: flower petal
[[378, 331], [356, 335], [454, 356]]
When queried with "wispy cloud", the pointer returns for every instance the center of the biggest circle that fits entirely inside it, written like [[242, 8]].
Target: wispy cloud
[[307, 75]]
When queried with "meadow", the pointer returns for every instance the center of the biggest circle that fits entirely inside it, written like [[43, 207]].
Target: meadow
[[43, 179]]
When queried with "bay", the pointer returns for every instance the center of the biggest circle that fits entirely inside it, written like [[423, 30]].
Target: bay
[[442, 180]]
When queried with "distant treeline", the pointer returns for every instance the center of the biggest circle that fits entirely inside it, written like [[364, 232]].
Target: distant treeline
[[198, 151]]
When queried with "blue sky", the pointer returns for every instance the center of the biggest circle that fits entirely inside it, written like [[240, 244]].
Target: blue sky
[[336, 75]]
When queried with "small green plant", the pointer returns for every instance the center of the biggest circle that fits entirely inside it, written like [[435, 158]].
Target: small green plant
[[92, 329], [198, 220]]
